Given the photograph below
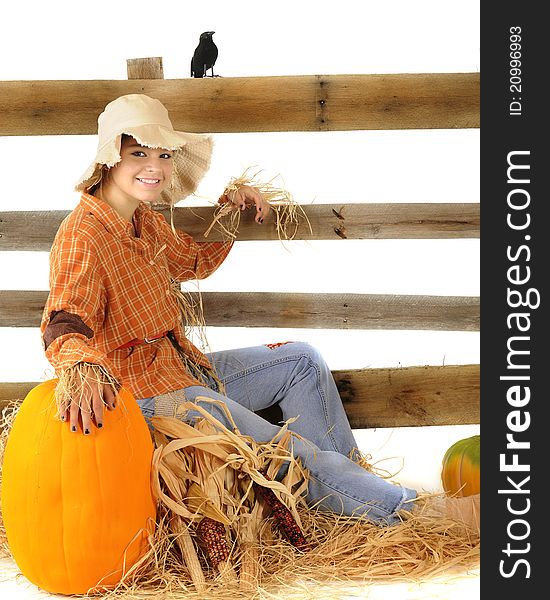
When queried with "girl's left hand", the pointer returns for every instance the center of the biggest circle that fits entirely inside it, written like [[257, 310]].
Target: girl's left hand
[[247, 197]]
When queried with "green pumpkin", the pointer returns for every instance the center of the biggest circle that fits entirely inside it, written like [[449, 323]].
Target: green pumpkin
[[460, 469]]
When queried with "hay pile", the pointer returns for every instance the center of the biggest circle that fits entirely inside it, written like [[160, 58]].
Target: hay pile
[[208, 471]]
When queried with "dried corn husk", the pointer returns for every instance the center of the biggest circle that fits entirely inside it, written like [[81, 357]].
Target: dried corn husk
[[221, 468]]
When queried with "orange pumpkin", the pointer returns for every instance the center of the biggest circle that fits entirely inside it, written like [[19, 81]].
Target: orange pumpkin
[[77, 508], [460, 470]]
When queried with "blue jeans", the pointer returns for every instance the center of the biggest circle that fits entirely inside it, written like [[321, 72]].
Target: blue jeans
[[296, 377]]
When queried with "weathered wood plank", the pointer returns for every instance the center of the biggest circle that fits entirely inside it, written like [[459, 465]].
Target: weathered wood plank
[[145, 68], [313, 311], [35, 230], [411, 396], [406, 397], [245, 104]]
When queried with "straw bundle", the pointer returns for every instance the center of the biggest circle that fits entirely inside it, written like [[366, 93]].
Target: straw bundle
[[76, 382], [288, 213], [208, 471]]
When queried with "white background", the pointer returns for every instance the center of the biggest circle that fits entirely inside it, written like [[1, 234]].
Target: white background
[[92, 40]]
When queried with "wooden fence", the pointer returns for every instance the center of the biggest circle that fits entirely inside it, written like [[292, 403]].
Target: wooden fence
[[389, 397]]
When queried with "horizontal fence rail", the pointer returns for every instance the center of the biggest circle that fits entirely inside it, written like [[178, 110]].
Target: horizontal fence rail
[[23, 308], [35, 230], [409, 396], [252, 104]]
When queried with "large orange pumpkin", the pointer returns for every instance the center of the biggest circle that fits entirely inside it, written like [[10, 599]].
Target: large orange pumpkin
[[77, 508], [460, 469]]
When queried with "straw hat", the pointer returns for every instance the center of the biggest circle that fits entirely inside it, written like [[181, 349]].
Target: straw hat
[[147, 121]]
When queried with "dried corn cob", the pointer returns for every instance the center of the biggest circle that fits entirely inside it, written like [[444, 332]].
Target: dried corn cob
[[248, 529], [248, 574], [283, 518], [211, 537], [185, 544]]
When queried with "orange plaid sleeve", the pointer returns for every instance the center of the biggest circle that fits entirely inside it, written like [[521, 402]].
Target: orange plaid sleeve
[[74, 289], [188, 259]]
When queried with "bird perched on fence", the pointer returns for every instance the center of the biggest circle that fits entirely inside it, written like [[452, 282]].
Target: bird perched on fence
[[205, 55]]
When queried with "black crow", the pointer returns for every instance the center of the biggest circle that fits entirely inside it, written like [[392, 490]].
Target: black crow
[[205, 55]]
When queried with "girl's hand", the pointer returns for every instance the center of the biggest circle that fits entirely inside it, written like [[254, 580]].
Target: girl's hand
[[246, 197], [84, 410]]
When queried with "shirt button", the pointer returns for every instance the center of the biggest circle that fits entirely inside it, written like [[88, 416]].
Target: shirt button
[[167, 292]]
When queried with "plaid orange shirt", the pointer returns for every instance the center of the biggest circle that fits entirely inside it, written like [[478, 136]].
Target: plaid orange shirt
[[117, 288]]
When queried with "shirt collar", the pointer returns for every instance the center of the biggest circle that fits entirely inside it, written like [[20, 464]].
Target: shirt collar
[[109, 217]]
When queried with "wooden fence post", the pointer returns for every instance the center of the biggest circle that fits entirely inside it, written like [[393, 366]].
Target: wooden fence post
[[145, 68]]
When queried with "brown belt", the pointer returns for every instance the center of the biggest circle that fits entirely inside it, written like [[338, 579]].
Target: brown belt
[[147, 340]]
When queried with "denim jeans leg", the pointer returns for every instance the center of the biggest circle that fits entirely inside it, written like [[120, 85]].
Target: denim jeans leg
[[296, 377], [147, 406], [336, 484]]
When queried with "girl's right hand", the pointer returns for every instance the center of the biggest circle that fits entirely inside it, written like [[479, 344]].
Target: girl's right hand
[[83, 412]]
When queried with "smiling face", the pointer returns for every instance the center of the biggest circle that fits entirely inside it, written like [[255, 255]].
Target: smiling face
[[140, 176]]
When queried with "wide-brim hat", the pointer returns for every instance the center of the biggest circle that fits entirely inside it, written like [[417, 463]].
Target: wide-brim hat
[[147, 121]]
